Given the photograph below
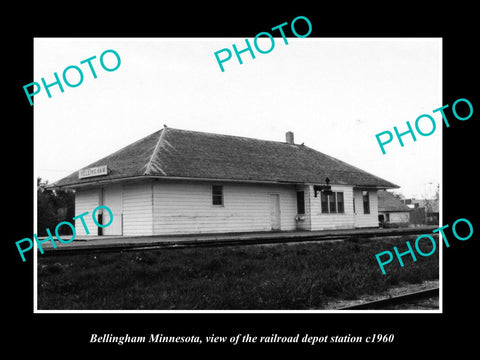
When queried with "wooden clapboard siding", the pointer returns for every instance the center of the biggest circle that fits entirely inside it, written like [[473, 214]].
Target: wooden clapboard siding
[[86, 201], [397, 216], [187, 208], [321, 221], [366, 220], [113, 199], [137, 209]]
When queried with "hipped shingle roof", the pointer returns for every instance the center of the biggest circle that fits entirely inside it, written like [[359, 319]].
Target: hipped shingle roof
[[174, 153], [388, 202]]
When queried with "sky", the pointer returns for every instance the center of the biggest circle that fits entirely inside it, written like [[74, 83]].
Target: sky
[[334, 94]]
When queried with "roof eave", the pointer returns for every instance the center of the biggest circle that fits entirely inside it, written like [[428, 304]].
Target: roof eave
[[100, 182], [160, 177], [377, 187]]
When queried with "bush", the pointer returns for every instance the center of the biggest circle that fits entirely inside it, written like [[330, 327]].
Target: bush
[[54, 207]]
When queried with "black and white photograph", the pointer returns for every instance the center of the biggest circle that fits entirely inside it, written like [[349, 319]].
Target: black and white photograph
[[274, 186], [256, 188]]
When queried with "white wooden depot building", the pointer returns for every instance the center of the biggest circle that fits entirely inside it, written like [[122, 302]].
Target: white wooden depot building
[[184, 182]]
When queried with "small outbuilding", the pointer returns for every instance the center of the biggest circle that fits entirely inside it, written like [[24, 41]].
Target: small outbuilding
[[391, 210], [185, 182]]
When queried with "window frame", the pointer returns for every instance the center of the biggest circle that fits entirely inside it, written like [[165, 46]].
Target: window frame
[[332, 200], [366, 204], [216, 195], [342, 202], [325, 206]]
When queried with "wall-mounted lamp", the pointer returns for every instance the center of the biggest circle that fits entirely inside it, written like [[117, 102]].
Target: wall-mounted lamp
[[326, 189]]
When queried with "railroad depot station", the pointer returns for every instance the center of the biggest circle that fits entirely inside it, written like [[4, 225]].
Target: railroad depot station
[[186, 182]]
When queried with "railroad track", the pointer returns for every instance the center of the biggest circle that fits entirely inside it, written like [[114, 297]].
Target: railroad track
[[88, 249], [218, 242], [395, 300]]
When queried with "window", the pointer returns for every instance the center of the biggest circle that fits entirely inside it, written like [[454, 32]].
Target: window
[[340, 207], [217, 195], [300, 203], [366, 202], [324, 199], [333, 204]]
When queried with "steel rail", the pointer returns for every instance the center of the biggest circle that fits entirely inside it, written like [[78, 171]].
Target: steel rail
[[87, 249], [395, 300], [182, 244]]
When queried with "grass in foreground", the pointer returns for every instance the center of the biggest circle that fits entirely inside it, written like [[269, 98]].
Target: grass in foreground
[[300, 276]]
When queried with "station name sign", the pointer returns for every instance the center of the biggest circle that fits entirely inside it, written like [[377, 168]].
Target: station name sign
[[94, 171]]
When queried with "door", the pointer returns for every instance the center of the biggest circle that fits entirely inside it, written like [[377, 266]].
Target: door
[[275, 211], [112, 198]]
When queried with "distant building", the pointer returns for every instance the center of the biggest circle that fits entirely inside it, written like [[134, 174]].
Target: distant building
[[179, 182], [424, 211], [391, 210]]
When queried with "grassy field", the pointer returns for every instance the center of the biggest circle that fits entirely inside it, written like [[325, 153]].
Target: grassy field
[[300, 276]]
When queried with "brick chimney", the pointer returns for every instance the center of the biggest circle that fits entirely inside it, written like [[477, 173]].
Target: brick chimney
[[289, 137]]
